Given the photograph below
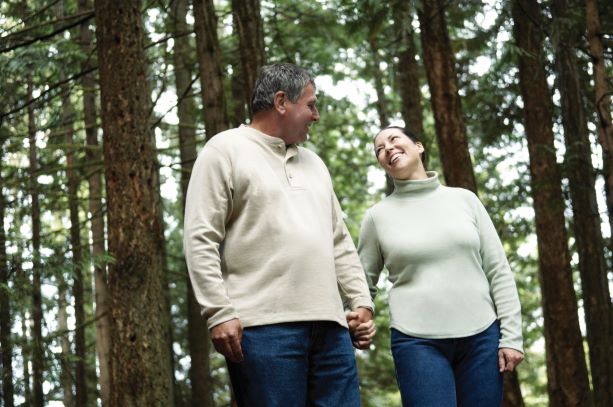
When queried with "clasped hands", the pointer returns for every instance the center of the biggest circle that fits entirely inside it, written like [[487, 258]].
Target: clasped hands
[[226, 337]]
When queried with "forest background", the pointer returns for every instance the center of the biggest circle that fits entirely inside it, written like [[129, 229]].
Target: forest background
[[105, 105]]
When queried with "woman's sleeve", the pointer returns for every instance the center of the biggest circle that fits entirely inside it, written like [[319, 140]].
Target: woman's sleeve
[[370, 254], [502, 285]]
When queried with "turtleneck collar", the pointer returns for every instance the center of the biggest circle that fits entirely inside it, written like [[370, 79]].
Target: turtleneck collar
[[416, 187]]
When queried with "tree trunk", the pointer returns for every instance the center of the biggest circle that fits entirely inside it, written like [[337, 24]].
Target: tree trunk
[[139, 358], [6, 342], [64, 333], [26, 352], [566, 368], [439, 62], [407, 69], [75, 241], [37, 306], [602, 97], [588, 235], [198, 338], [95, 206], [248, 24], [209, 61], [512, 391]]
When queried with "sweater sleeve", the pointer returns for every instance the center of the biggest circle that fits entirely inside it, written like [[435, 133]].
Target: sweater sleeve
[[502, 285], [370, 253], [349, 274], [207, 208]]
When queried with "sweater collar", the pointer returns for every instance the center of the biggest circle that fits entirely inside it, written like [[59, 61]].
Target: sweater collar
[[416, 187]]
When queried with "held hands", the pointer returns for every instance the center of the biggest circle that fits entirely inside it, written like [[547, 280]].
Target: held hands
[[508, 359], [226, 338], [361, 327]]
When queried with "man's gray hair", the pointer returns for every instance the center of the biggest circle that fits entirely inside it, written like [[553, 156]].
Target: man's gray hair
[[285, 77]]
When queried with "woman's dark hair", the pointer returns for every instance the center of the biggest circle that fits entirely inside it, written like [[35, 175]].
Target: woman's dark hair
[[410, 135]]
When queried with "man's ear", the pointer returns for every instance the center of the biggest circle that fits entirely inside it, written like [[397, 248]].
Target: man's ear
[[280, 101]]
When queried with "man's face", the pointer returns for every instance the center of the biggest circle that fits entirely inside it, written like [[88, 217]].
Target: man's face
[[300, 115]]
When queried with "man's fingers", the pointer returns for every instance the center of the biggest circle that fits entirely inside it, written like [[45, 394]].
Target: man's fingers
[[236, 351]]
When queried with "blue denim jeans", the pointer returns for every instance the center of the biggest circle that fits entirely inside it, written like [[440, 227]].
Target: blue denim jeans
[[296, 364], [448, 372]]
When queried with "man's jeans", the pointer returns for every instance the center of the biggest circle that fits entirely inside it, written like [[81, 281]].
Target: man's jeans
[[448, 372], [296, 364]]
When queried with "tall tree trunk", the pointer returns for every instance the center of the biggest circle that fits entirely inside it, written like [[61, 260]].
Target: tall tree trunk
[[140, 361], [407, 69], [439, 62], [75, 241], [64, 333], [211, 73], [94, 179], [381, 104], [248, 23], [588, 235], [566, 368], [198, 338], [6, 342], [26, 351], [602, 96], [37, 306]]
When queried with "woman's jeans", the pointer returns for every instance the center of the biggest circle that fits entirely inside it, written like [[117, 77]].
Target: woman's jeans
[[296, 364], [448, 372]]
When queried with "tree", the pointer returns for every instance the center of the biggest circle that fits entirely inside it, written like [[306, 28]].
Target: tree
[[198, 337], [211, 74], [602, 98], [37, 306], [95, 188], [140, 361], [566, 369], [6, 343], [250, 30], [586, 218], [439, 63]]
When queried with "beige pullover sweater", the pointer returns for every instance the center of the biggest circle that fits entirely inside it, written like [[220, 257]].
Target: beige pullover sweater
[[448, 268], [265, 239]]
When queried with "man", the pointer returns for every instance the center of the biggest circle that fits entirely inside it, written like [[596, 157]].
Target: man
[[268, 251]]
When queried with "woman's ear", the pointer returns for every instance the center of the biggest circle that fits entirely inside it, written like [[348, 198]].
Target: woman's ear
[[420, 147], [280, 100]]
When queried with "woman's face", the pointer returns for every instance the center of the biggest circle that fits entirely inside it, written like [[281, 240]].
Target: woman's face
[[398, 155]]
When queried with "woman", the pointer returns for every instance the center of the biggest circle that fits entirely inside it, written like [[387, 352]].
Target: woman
[[454, 308]]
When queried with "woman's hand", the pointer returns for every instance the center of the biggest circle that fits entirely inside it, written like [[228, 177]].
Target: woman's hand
[[508, 359], [361, 327]]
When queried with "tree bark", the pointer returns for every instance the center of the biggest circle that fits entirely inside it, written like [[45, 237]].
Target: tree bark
[[512, 392], [198, 338], [439, 62], [248, 24], [407, 69], [95, 206], [209, 62], [6, 342], [602, 98], [37, 307], [588, 235], [140, 361], [64, 333], [75, 242], [566, 369]]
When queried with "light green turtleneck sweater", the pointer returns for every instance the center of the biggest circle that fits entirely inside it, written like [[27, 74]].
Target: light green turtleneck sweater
[[448, 268]]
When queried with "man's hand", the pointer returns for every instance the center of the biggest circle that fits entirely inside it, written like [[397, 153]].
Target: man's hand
[[227, 337], [508, 359], [361, 327]]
